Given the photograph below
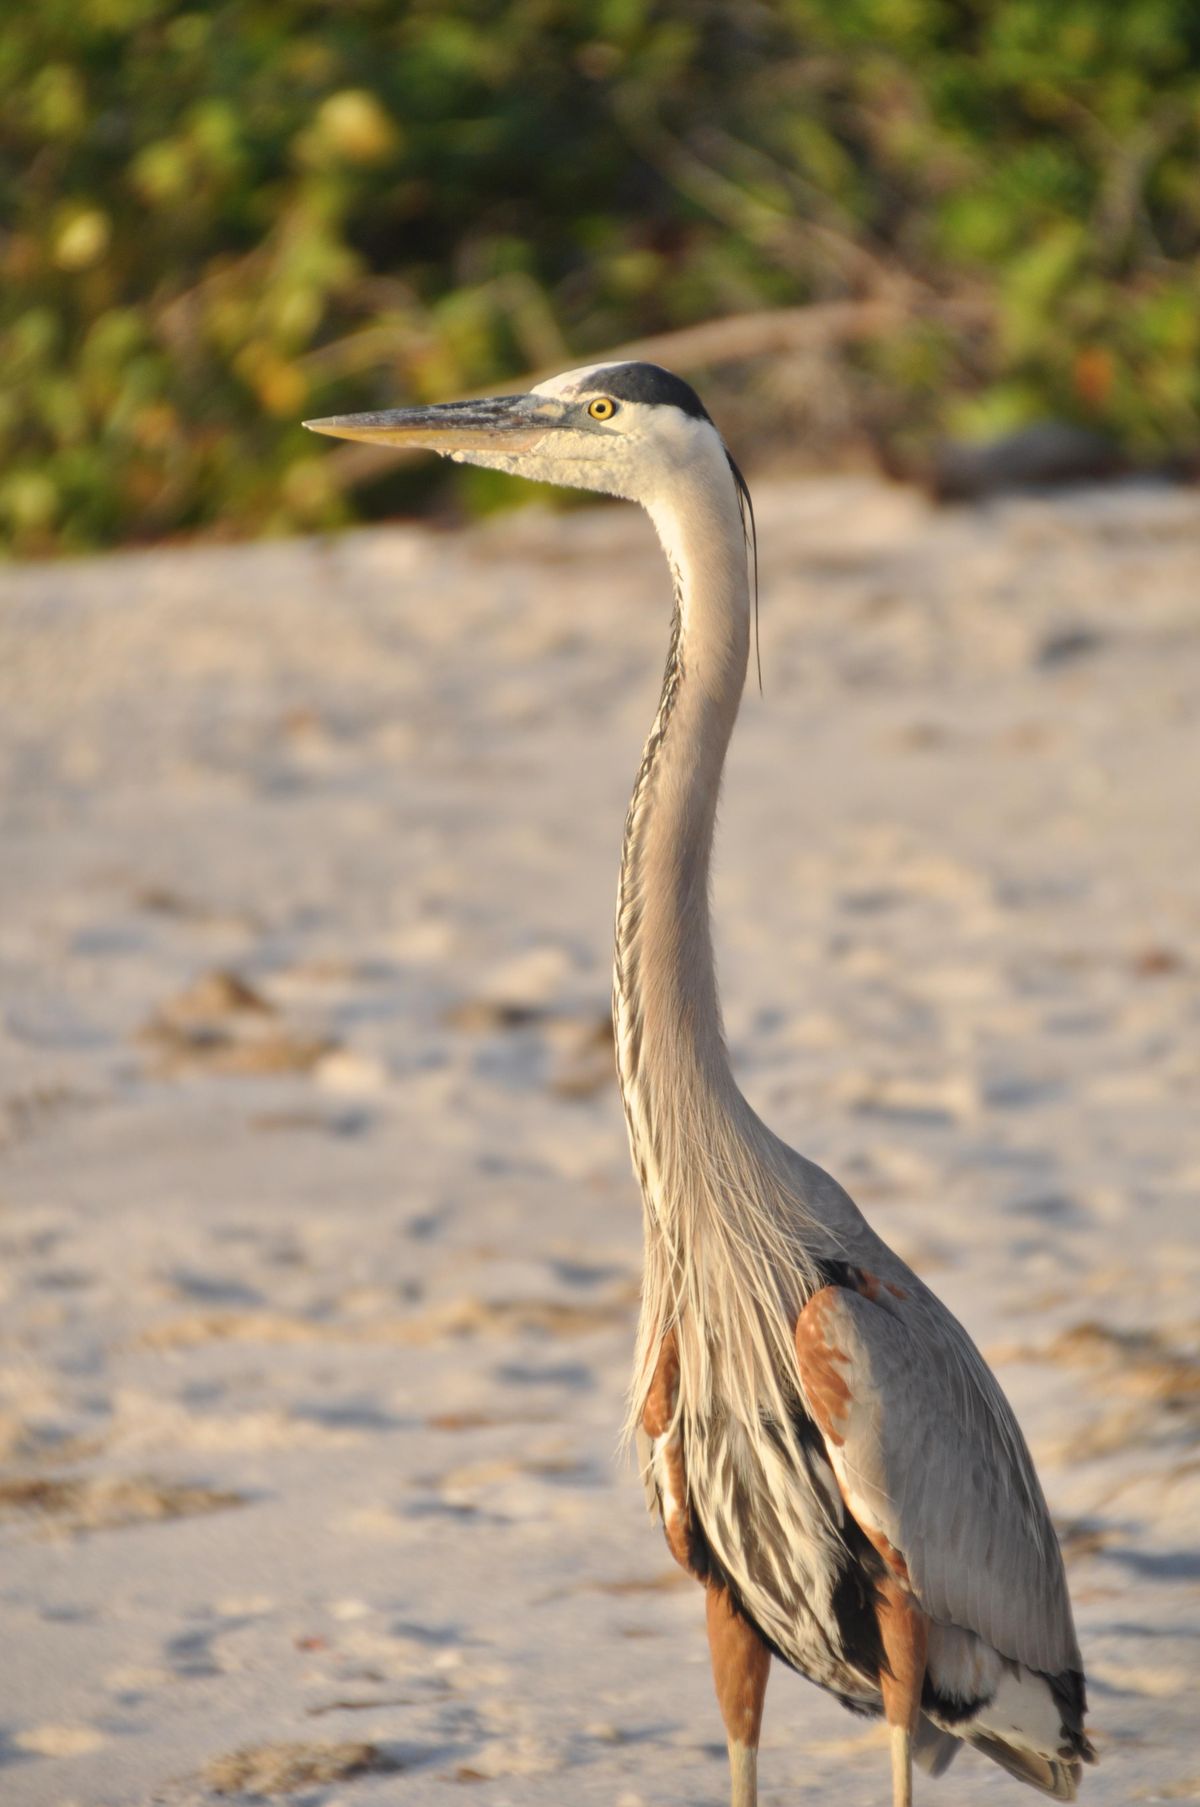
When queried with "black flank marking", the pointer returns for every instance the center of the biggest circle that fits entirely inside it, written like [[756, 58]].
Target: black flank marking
[[855, 1594], [809, 1437], [866, 1709], [840, 1273], [855, 1602], [649, 383], [718, 1577], [1070, 1697], [948, 1709]]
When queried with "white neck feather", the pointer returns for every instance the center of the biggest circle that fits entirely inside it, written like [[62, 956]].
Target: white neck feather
[[728, 1260], [671, 1053]]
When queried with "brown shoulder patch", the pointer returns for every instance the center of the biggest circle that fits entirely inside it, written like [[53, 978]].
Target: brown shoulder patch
[[679, 1527], [683, 1539], [659, 1408], [820, 1362]]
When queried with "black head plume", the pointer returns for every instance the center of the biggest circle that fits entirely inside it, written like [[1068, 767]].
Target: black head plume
[[750, 530]]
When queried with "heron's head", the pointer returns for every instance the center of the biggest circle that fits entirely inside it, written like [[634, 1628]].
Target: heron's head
[[630, 430]]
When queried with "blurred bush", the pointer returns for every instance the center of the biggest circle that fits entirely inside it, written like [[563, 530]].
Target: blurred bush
[[218, 218]]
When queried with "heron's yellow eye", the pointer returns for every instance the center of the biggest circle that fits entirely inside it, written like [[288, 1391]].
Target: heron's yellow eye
[[602, 408]]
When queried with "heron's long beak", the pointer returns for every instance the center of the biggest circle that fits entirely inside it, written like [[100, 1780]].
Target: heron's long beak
[[510, 423]]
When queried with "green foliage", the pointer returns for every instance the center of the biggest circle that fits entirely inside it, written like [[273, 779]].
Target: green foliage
[[221, 217]]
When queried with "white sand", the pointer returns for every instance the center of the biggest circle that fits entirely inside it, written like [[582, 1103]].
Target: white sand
[[318, 1291]]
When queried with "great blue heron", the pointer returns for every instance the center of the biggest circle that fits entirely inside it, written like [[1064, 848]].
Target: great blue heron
[[830, 1454]]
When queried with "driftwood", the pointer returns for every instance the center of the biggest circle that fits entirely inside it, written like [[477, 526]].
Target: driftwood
[[1048, 454]]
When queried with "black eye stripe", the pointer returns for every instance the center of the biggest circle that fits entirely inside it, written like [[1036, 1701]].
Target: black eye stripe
[[649, 383]]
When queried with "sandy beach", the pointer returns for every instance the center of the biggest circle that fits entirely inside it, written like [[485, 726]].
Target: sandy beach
[[320, 1247]]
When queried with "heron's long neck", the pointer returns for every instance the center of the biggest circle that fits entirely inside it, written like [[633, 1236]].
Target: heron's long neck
[[671, 1055]]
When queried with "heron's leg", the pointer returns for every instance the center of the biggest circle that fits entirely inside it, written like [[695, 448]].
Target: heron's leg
[[904, 1632], [740, 1665]]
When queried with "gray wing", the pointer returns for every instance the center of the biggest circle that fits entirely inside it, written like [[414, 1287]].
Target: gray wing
[[933, 1467]]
